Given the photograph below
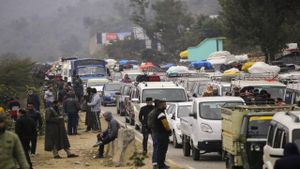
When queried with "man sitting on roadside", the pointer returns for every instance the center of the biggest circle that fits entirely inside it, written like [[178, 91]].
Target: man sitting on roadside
[[109, 135]]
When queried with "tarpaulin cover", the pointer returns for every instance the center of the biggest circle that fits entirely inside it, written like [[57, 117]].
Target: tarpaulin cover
[[200, 64], [262, 67]]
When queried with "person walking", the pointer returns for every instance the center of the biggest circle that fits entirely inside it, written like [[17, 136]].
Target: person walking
[[38, 122], [143, 117], [109, 135], [34, 99], [71, 108], [95, 110], [25, 127], [161, 131], [12, 153], [56, 136], [291, 158]]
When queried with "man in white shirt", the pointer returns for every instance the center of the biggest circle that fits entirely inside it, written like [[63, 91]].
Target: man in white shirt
[[95, 109]]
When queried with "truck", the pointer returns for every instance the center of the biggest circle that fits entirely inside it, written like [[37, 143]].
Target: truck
[[244, 134], [201, 130]]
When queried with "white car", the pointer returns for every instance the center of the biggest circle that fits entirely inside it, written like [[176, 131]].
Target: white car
[[174, 112], [284, 128], [97, 83]]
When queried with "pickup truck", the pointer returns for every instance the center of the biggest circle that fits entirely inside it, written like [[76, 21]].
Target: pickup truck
[[201, 130], [244, 134]]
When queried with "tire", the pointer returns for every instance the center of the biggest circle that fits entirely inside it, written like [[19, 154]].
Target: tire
[[175, 143], [195, 153], [229, 161], [186, 147]]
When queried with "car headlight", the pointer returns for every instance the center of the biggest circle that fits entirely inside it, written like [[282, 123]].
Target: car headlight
[[206, 128]]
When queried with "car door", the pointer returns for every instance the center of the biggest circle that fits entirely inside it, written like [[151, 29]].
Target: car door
[[169, 113]]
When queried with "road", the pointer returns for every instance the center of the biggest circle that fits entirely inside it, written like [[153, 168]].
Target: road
[[207, 161]]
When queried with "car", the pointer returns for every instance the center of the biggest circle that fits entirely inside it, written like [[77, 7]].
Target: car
[[109, 93], [132, 74], [168, 91], [121, 98], [201, 130], [174, 112], [96, 83], [284, 128], [116, 77], [221, 87]]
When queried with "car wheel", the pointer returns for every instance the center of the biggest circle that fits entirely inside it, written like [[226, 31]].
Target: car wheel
[[195, 153], [186, 147], [175, 143]]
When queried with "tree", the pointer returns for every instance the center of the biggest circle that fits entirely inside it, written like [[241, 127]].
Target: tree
[[15, 74], [259, 23], [168, 24]]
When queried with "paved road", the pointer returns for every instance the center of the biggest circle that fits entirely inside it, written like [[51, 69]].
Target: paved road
[[207, 161]]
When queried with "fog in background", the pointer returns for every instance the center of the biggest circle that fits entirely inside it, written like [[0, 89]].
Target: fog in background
[[46, 29]]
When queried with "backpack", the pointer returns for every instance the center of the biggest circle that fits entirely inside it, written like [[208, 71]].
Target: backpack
[[152, 118]]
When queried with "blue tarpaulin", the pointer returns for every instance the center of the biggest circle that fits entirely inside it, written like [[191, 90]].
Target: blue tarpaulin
[[200, 64]]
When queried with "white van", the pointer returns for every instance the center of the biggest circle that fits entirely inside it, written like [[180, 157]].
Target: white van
[[284, 128]]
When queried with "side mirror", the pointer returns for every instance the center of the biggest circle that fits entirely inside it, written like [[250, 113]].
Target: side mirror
[[194, 115], [135, 100]]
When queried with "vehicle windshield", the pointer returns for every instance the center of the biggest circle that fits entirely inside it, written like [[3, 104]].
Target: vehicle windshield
[[112, 87], [96, 84], [225, 90], [296, 137], [170, 95], [184, 111], [274, 91], [91, 71], [258, 126], [212, 110], [133, 76]]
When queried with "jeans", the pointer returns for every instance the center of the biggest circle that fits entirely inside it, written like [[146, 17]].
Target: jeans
[[146, 133], [105, 140], [72, 123], [155, 146], [162, 148]]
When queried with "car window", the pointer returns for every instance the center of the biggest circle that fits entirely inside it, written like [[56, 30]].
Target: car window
[[296, 137], [271, 135], [184, 111], [278, 137], [212, 110], [284, 139], [258, 126], [169, 111]]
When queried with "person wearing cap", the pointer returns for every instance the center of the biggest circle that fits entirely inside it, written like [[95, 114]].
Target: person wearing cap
[[12, 153], [161, 131], [109, 135], [71, 108], [143, 117], [25, 128], [55, 134]]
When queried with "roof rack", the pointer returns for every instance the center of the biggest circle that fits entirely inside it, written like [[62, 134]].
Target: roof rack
[[296, 118], [257, 76]]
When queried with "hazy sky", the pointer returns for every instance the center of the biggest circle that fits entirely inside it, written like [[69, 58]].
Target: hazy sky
[[43, 28]]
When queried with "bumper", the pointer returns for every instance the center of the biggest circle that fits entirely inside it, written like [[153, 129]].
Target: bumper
[[210, 146], [108, 100]]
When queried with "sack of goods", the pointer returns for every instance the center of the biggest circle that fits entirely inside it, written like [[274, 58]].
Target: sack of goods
[[262, 67]]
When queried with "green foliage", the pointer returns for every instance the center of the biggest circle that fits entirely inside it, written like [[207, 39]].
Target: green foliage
[[15, 74], [265, 23], [137, 159]]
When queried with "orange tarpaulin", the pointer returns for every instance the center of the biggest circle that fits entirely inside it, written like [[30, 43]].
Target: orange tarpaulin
[[146, 66]]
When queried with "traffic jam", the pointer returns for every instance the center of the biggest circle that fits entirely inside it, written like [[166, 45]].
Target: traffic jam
[[246, 115]]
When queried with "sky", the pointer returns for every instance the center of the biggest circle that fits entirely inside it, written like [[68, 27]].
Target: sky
[[42, 29]]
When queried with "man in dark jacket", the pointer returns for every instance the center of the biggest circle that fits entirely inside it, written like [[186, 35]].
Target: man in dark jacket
[[55, 135], [78, 87], [161, 131], [143, 117], [71, 108], [291, 158], [25, 127], [110, 134], [34, 99], [36, 117]]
